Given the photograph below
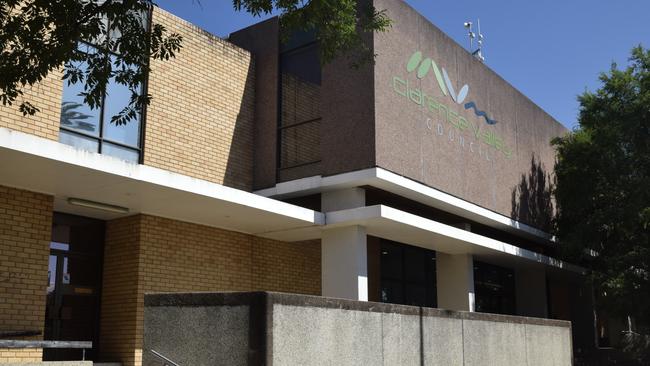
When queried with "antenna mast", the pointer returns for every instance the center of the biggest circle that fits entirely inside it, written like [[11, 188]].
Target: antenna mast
[[478, 52]]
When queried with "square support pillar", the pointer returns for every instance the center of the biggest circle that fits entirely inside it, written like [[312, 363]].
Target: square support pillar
[[344, 263], [455, 277], [343, 199]]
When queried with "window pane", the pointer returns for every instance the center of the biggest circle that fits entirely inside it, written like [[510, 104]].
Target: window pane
[[75, 114], [51, 275], [391, 292], [301, 79], [494, 289], [300, 144], [408, 275], [59, 246], [118, 97], [78, 141], [415, 270], [391, 261], [415, 295], [120, 152]]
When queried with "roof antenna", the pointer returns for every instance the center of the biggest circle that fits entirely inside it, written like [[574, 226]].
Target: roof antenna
[[470, 34], [478, 52]]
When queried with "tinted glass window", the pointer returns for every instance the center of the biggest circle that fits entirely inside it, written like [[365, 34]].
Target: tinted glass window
[[494, 289], [408, 275], [300, 99]]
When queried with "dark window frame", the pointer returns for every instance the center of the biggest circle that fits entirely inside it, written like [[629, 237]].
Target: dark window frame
[[280, 127], [144, 88]]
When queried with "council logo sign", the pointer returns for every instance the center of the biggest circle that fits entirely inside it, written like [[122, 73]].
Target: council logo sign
[[425, 65]]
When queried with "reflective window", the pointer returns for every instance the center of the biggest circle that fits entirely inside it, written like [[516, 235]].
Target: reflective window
[[91, 129], [51, 274], [76, 116], [408, 275], [494, 289]]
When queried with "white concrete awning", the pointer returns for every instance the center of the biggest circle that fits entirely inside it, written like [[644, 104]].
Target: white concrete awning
[[40, 165], [408, 188], [392, 224], [45, 166]]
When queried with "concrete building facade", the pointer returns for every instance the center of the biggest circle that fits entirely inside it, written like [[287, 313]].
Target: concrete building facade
[[422, 179]]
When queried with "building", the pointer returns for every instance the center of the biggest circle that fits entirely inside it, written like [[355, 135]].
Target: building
[[422, 179]]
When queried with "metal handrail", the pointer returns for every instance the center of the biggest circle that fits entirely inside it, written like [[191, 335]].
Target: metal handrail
[[167, 361]]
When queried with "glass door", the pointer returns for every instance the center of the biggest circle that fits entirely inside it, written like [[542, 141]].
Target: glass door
[[74, 284]]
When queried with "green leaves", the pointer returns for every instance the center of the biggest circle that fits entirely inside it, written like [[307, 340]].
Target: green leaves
[[603, 187], [38, 37], [342, 27]]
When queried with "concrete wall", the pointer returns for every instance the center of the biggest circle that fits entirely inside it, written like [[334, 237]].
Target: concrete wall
[[281, 329], [455, 281], [50, 363], [152, 254], [25, 233], [424, 135]]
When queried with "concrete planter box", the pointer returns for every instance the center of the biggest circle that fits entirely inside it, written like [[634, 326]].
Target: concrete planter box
[[262, 328]]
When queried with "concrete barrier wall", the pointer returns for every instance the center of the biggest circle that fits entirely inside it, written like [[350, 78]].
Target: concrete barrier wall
[[49, 363], [281, 329]]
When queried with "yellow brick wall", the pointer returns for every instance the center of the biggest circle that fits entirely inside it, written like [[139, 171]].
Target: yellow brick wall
[[120, 289], [25, 232], [46, 96], [286, 267], [175, 256], [200, 121], [20, 355]]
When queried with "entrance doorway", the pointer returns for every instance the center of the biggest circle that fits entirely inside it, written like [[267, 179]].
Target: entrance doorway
[[74, 284]]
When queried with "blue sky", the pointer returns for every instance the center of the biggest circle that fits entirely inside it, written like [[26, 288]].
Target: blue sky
[[550, 50]]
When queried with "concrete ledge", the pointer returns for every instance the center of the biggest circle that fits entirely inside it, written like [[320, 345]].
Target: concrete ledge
[[266, 328], [201, 299], [49, 363]]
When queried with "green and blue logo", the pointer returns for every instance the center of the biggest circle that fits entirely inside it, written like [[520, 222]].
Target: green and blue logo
[[425, 65]]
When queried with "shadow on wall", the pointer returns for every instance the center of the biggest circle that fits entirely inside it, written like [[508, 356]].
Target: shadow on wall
[[532, 198], [239, 166]]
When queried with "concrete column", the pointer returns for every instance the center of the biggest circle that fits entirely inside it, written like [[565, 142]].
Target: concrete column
[[345, 263], [530, 291], [343, 199], [455, 277]]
